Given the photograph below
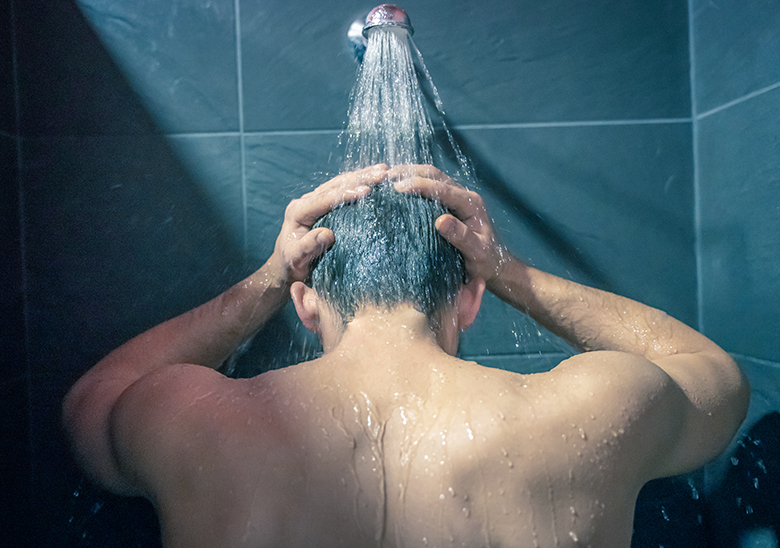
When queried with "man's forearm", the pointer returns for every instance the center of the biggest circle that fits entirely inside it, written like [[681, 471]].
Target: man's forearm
[[591, 319], [206, 335]]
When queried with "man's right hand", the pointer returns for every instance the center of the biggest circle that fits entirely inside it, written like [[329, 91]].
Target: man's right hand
[[469, 229], [297, 244]]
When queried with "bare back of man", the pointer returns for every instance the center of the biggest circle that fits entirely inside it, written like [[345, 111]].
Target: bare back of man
[[392, 442], [388, 440]]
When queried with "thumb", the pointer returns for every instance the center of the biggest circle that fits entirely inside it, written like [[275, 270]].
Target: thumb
[[312, 245]]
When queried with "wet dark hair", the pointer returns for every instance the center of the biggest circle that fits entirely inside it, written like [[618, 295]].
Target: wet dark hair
[[388, 253]]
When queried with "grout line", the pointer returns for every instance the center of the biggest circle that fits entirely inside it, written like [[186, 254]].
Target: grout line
[[22, 242], [743, 357], [204, 134], [532, 125], [240, 84], [697, 247], [275, 133], [738, 101]]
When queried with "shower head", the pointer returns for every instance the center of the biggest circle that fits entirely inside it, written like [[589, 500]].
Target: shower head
[[387, 15]]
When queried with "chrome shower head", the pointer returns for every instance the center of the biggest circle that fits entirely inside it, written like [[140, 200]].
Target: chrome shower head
[[387, 15]]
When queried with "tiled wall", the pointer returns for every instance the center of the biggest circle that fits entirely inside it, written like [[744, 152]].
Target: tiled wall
[[736, 51], [162, 140], [14, 405]]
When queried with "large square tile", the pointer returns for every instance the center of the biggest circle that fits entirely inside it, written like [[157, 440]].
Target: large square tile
[[127, 67], [179, 57], [496, 62], [736, 49], [508, 61], [7, 84], [297, 65], [68, 82], [608, 206], [739, 170], [120, 236]]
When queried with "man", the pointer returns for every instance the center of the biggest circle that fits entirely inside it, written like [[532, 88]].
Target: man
[[388, 439]]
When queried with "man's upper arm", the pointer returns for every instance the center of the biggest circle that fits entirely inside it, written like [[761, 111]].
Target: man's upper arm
[[119, 428], [673, 424], [157, 417]]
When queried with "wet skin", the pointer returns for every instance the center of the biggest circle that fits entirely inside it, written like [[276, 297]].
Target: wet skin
[[388, 440], [393, 443]]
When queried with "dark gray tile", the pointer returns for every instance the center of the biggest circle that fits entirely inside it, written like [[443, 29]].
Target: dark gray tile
[[179, 57], [503, 330], [500, 62], [297, 66], [14, 385], [15, 481], [7, 85], [213, 164], [118, 68], [279, 169], [737, 49], [609, 206], [119, 237], [11, 299], [68, 83], [739, 160], [527, 61]]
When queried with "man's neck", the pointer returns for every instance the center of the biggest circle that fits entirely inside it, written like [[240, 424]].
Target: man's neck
[[376, 332]]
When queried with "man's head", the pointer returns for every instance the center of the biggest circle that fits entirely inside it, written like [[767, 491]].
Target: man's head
[[388, 253]]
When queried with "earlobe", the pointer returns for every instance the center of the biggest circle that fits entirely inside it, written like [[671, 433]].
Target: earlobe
[[469, 301], [305, 300]]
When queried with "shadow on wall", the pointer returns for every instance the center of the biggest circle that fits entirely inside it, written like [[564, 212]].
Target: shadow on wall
[[119, 235]]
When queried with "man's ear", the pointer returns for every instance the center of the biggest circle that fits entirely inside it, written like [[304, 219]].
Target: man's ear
[[469, 301], [306, 305]]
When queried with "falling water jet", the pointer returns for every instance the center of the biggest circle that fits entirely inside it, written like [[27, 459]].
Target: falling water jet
[[388, 121]]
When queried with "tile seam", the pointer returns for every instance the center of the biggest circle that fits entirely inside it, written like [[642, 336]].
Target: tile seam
[[739, 100], [22, 243], [242, 152], [697, 248]]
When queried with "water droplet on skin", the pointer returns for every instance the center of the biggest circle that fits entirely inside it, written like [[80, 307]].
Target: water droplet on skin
[[573, 536], [466, 512], [583, 435]]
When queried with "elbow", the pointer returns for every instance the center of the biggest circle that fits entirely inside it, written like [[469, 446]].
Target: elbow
[[741, 398], [734, 405]]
